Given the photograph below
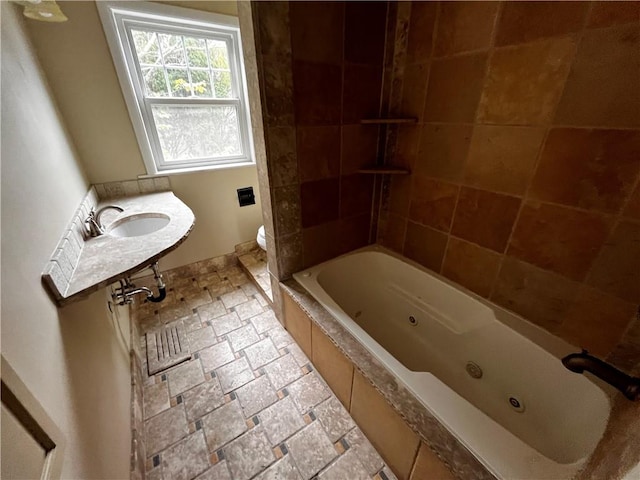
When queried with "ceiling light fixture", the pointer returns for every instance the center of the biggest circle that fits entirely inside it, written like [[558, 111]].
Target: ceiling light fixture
[[43, 10]]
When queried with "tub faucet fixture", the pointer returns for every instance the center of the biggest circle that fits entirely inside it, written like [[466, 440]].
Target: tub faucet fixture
[[579, 362], [93, 220]]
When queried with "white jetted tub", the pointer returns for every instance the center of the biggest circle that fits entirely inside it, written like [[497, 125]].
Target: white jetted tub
[[526, 417]]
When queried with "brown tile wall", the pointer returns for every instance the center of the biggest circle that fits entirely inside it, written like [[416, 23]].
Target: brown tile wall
[[321, 71], [525, 184]]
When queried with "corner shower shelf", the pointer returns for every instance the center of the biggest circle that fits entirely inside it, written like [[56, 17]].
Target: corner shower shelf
[[379, 121], [384, 170]]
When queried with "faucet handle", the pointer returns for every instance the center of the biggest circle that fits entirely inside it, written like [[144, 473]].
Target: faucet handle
[[92, 225]]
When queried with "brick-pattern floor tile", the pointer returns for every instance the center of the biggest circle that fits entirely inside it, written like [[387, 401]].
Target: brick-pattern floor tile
[[256, 396], [281, 420], [283, 371], [265, 321], [195, 300], [219, 471], [334, 418], [261, 353], [283, 469], [248, 405], [249, 455], [226, 323], [261, 300], [248, 309], [191, 323], [156, 399], [186, 459], [249, 289], [199, 339], [165, 429], [311, 450], [243, 337], [211, 311], [347, 466], [223, 425], [233, 298], [308, 392], [202, 399], [216, 356], [365, 452], [185, 376], [298, 354], [219, 289], [235, 374], [280, 337]]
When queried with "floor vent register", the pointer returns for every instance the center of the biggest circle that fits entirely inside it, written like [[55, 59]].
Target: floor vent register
[[167, 346]]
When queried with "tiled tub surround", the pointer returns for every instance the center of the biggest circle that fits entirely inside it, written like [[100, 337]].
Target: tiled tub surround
[[321, 67], [526, 161], [249, 404], [87, 264]]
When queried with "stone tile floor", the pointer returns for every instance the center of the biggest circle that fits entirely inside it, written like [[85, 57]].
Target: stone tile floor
[[255, 262], [249, 404]]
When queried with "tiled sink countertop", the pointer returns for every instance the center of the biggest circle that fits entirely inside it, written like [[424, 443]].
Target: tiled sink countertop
[[104, 259]]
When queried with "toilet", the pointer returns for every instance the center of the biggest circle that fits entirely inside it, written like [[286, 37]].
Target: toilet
[[261, 239]]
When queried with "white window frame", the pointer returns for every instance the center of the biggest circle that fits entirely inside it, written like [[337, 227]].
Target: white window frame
[[117, 19]]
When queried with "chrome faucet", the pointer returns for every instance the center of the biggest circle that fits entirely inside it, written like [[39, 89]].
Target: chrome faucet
[[579, 362], [93, 220]]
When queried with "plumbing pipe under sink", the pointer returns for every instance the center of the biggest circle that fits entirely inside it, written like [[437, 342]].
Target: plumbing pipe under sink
[[124, 295]]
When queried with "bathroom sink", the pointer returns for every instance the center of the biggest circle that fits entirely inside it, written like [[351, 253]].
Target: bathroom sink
[[138, 225]]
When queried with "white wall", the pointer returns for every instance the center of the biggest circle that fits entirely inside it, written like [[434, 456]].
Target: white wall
[[71, 360], [76, 60]]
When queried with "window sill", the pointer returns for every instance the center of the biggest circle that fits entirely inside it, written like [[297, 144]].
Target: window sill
[[208, 168]]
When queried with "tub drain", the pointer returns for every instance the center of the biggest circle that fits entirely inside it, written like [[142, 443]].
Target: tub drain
[[412, 320]]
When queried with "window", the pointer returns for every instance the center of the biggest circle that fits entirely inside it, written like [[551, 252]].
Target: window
[[182, 76]]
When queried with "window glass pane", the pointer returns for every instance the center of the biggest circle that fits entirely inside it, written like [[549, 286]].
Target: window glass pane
[[154, 82], [179, 82], [172, 51], [146, 44], [218, 54], [201, 83], [222, 84], [193, 132], [196, 52]]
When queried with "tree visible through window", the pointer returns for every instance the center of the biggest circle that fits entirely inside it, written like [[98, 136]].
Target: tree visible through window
[[186, 79]]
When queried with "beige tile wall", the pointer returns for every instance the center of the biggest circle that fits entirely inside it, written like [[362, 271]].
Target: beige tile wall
[[397, 443], [332, 365], [526, 162], [298, 324]]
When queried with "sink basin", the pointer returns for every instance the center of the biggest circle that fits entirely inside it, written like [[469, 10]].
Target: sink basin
[[138, 225]]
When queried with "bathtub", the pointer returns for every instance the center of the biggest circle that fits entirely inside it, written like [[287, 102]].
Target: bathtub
[[474, 366]]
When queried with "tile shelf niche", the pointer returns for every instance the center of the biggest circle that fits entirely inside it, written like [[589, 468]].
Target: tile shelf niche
[[386, 121], [385, 169]]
